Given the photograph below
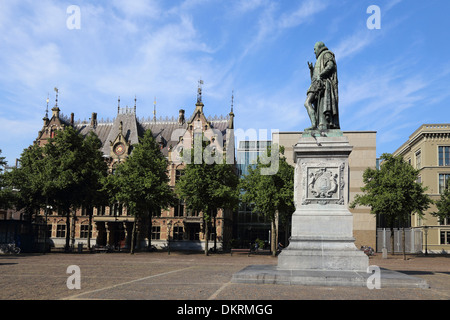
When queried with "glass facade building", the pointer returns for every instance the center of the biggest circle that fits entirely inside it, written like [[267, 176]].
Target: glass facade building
[[249, 225]]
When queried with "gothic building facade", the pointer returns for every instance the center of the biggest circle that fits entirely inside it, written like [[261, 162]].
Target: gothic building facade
[[112, 225]]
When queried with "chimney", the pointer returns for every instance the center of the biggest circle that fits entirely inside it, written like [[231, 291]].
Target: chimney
[[181, 117], [94, 120], [72, 119]]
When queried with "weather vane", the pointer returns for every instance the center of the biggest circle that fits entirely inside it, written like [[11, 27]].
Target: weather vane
[[46, 110], [232, 100], [154, 110], [57, 91], [199, 91]]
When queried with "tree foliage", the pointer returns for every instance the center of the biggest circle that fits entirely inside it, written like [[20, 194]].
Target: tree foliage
[[207, 186], [6, 194], [63, 174], [272, 193], [393, 191], [27, 183], [443, 204], [141, 183], [94, 172]]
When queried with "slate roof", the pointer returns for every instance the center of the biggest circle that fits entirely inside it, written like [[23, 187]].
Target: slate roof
[[164, 130]]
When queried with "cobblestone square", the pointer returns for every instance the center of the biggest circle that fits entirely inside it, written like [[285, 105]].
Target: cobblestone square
[[193, 276]]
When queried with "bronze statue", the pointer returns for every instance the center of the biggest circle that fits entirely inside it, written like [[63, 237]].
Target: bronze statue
[[322, 96]]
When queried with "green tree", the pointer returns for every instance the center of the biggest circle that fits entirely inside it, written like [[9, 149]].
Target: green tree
[[64, 174], [393, 191], [270, 193], [5, 192], [208, 183], [443, 205], [66, 179], [94, 173], [28, 182], [141, 183]]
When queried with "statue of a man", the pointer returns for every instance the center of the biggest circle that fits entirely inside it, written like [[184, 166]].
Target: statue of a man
[[322, 96]]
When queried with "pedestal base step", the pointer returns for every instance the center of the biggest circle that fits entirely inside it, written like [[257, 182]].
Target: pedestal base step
[[333, 260], [270, 274]]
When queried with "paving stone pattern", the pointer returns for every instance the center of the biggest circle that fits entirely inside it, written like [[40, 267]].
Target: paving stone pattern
[[193, 276]]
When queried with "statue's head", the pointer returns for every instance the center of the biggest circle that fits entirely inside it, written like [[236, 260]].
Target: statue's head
[[318, 47]]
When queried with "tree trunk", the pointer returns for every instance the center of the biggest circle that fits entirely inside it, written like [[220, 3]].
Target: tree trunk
[[392, 241], [274, 234], [149, 233], [67, 245], [273, 241], [133, 236], [286, 235], [72, 230], [206, 237], [91, 212], [215, 233]]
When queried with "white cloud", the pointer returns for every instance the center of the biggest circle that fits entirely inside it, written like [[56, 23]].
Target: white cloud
[[379, 98], [272, 23], [246, 6], [355, 43], [139, 8], [305, 12]]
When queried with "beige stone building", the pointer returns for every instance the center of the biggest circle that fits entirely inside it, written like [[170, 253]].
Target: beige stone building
[[363, 155], [428, 149]]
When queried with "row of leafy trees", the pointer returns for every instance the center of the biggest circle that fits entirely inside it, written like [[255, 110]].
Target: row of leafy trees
[[64, 174], [70, 172]]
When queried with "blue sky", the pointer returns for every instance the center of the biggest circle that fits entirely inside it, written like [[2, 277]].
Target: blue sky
[[391, 80]]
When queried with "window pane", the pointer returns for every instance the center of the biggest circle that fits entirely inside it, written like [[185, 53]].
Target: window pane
[[443, 179], [447, 156]]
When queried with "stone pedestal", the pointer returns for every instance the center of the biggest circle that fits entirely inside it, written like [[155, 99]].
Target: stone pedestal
[[322, 225], [321, 251]]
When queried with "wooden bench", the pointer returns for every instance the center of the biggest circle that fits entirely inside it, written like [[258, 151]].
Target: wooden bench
[[248, 251]]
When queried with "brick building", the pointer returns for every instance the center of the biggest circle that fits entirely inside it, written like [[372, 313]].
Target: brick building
[[111, 225]]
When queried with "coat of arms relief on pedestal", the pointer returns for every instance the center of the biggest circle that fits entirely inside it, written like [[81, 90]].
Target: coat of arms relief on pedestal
[[323, 183]]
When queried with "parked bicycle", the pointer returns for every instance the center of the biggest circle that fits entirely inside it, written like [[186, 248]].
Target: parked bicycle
[[368, 250], [279, 248], [9, 248]]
